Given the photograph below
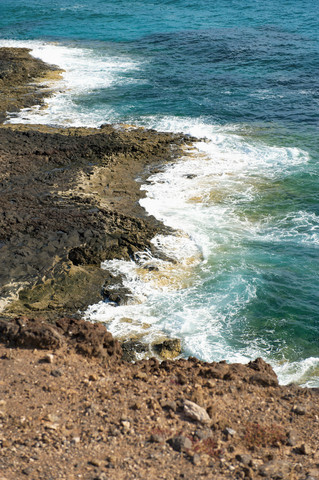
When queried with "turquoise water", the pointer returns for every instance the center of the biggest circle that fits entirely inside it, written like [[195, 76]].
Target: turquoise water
[[245, 77]]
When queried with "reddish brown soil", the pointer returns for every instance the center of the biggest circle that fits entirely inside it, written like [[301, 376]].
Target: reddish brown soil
[[72, 416]]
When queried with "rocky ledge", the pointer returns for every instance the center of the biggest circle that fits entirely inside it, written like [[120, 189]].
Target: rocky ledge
[[69, 200], [70, 406], [23, 80]]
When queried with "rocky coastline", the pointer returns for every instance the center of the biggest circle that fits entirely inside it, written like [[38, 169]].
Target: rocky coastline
[[70, 405]]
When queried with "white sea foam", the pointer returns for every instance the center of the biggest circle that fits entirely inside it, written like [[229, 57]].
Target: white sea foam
[[86, 71], [203, 195], [304, 372]]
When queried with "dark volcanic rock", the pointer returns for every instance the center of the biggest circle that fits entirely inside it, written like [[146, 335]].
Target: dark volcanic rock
[[17, 70], [69, 201]]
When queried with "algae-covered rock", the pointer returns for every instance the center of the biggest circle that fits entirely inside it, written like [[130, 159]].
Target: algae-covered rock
[[168, 349]]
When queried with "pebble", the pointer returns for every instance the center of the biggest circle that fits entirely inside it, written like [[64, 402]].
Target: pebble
[[126, 425], [102, 476], [180, 443], [140, 376], [196, 459], [244, 458], [299, 410], [49, 358], [94, 462], [279, 469], [27, 471], [292, 438], [229, 432], [202, 434], [156, 438], [169, 405], [305, 449]]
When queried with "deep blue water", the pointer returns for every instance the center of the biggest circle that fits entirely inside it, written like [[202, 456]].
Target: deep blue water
[[246, 77]]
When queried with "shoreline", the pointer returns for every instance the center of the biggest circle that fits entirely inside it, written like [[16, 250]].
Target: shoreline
[[70, 406]]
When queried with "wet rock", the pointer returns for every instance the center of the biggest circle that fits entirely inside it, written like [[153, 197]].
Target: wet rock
[[17, 69], [168, 349], [195, 412], [114, 291], [131, 347], [87, 177]]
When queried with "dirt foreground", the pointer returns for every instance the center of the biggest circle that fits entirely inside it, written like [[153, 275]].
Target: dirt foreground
[[77, 411], [71, 407]]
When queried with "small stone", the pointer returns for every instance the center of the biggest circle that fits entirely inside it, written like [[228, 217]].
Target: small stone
[[210, 384], [274, 469], [56, 373], [305, 449], [244, 458], [195, 412], [140, 376], [126, 425], [2, 403], [27, 471], [248, 473], [196, 459], [180, 443], [75, 440], [136, 406], [95, 462], [48, 358], [168, 405], [202, 434], [229, 432], [112, 460], [299, 410], [292, 438], [156, 438], [93, 377], [101, 476]]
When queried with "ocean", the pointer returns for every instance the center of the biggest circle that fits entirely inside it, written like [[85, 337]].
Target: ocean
[[243, 77]]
